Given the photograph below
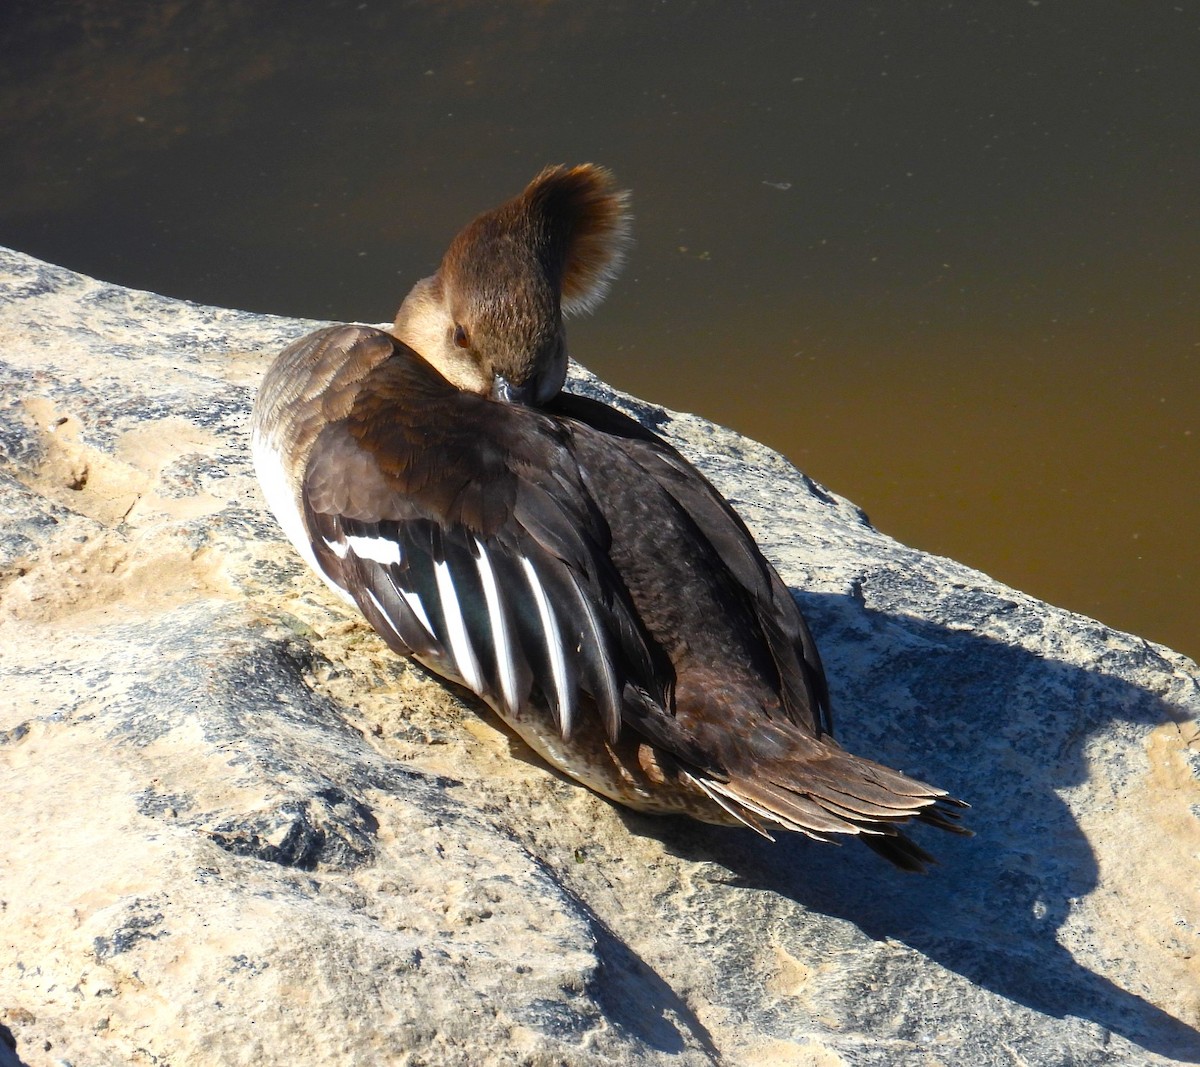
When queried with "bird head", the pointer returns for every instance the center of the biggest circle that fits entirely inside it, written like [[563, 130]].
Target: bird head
[[491, 318]]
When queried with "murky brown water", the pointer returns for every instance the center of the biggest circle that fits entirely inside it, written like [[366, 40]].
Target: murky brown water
[[944, 256]]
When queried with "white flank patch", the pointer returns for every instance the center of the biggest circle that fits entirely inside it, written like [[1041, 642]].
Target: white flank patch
[[377, 549], [460, 641], [500, 635], [282, 498], [558, 661]]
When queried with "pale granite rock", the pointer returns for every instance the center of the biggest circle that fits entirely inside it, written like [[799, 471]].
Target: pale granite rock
[[238, 831]]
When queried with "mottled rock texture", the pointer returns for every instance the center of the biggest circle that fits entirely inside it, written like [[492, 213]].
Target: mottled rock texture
[[238, 831]]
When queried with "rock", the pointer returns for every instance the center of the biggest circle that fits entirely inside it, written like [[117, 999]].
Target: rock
[[239, 831]]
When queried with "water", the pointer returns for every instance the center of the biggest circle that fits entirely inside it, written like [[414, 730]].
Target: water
[[944, 256]]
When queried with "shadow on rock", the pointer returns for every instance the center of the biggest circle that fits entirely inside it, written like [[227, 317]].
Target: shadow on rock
[[1011, 728], [634, 996]]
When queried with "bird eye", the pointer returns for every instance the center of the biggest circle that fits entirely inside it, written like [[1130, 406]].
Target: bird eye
[[461, 340]]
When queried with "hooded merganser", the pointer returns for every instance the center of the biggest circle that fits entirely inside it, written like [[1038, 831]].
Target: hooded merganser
[[553, 555]]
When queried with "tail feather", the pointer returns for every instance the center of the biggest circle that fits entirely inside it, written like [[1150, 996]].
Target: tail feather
[[862, 780], [717, 793], [838, 794], [801, 809], [946, 815], [853, 810], [901, 850]]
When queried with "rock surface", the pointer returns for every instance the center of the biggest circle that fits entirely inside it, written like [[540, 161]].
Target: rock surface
[[238, 831]]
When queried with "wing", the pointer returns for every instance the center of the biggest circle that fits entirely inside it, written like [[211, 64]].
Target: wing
[[463, 531], [791, 645]]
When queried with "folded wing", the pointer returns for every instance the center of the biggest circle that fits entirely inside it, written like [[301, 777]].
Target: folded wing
[[466, 537]]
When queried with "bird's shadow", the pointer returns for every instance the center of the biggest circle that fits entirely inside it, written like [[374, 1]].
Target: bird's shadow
[[1014, 735]]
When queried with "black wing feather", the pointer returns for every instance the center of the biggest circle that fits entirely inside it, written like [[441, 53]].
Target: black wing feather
[[801, 676], [506, 487]]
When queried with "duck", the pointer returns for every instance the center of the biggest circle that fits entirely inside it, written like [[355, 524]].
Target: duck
[[553, 555]]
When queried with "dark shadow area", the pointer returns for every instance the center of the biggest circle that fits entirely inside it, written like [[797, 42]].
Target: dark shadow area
[[8, 1049], [991, 909], [635, 997]]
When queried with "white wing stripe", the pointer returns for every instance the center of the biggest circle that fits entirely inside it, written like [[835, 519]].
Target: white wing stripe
[[460, 641], [382, 612], [338, 547], [610, 696], [418, 609], [558, 662], [380, 550], [500, 636]]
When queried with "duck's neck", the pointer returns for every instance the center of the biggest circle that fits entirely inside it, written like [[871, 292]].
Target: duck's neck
[[425, 324]]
